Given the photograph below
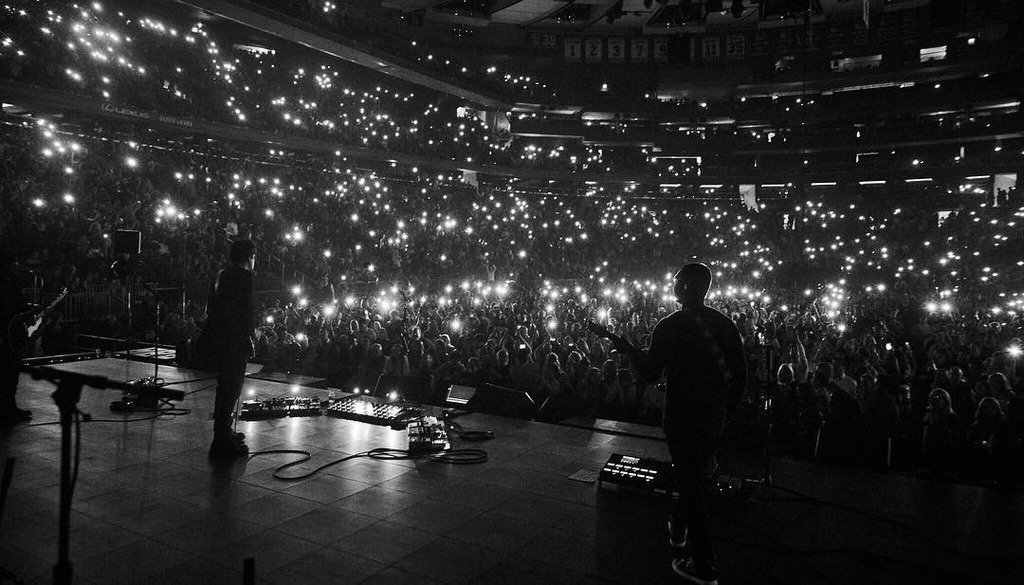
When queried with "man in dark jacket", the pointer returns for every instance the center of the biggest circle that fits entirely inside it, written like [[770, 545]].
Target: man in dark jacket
[[12, 304], [231, 321], [700, 351]]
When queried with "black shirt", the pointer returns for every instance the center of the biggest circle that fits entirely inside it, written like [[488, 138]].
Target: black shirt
[[231, 310], [12, 303], [701, 352]]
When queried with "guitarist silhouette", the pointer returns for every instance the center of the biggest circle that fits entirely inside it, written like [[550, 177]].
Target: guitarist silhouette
[[12, 304], [701, 354]]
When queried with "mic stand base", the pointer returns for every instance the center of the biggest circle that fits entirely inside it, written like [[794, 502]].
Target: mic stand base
[[66, 396]]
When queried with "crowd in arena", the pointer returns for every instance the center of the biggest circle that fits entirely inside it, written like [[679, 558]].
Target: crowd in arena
[[876, 329], [134, 61], [123, 56], [866, 323]]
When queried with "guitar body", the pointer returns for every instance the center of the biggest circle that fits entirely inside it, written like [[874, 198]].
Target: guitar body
[[18, 332], [23, 327]]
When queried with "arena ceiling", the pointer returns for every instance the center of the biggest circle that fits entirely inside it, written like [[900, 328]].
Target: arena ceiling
[[627, 15]]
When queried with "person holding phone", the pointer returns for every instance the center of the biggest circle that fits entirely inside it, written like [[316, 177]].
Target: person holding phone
[[700, 351]]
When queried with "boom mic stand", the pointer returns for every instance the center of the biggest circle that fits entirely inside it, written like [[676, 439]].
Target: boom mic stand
[[769, 414], [66, 396]]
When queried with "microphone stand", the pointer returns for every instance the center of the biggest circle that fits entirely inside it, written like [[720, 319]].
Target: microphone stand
[[156, 332], [66, 396], [769, 414]]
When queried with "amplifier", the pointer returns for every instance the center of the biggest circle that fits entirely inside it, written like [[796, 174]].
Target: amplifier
[[636, 473]]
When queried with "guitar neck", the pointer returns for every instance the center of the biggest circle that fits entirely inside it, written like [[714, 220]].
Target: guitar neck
[[56, 301]]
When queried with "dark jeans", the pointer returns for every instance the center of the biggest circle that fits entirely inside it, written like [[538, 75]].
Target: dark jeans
[[9, 375], [230, 377], [692, 444]]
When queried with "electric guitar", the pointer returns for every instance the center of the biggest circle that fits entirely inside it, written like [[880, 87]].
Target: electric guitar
[[24, 326]]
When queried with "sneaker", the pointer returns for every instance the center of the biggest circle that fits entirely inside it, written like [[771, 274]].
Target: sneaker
[[676, 536], [227, 449], [685, 568]]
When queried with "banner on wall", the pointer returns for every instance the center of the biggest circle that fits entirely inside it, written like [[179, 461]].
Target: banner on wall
[[1002, 182], [616, 50], [749, 195], [638, 50], [661, 50], [573, 49]]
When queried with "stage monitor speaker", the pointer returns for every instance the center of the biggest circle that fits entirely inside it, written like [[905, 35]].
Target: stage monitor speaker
[[408, 388], [127, 242], [491, 399]]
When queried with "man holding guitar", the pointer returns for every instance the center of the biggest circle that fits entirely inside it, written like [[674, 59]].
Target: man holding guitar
[[700, 351], [12, 305]]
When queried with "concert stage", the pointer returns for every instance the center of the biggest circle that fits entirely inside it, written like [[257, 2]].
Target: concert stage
[[150, 507]]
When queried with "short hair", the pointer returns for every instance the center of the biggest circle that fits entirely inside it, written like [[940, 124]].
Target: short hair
[[692, 282], [242, 250]]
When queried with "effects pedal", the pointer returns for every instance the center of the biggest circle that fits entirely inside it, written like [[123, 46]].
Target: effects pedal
[[263, 409], [364, 409], [280, 408], [427, 434], [636, 473]]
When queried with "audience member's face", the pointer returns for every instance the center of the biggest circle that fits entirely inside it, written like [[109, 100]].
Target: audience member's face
[[989, 409], [937, 401]]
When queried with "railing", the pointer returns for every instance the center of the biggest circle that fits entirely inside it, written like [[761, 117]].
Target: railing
[[91, 301]]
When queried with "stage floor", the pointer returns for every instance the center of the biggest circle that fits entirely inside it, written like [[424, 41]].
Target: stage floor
[[151, 508]]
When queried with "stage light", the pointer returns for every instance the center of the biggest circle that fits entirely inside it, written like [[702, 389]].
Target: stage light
[[1015, 351]]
